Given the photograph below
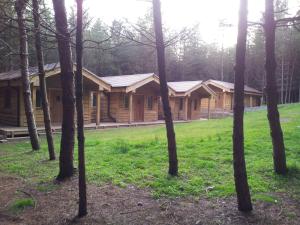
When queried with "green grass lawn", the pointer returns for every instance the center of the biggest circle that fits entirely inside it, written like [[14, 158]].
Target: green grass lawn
[[138, 156]]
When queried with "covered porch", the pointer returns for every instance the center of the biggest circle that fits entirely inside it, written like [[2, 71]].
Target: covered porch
[[190, 100], [15, 132]]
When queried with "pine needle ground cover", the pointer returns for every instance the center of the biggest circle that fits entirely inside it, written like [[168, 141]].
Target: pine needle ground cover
[[138, 156]]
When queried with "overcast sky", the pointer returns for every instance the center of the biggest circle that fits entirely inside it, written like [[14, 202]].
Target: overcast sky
[[181, 13]]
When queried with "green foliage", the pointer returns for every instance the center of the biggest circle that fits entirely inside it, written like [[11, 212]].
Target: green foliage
[[121, 146], [21, 204], [138, 156]]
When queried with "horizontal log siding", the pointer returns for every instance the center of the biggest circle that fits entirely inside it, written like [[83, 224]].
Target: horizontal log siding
[[228, 101], [103, 109], [117, 109], [9, 116], [150, 115], [176, 112], [39, 116], [204, 104]]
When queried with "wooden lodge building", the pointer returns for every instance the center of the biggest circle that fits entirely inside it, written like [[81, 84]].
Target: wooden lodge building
[[12, 111], [190, 100], [224, 95], [132, 98], [120, 99]]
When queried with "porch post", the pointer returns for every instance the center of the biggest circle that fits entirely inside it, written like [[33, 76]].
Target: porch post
[[21, 107], [224, 101], [185, 108], [131, 108], [251, 101], [209, 107], [98, 108]]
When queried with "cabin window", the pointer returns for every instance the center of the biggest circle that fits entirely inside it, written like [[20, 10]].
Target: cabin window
[[195, 104], [94, 100], [150, 102], [38, 98], [181, 104], [7, 99], [125, 101]]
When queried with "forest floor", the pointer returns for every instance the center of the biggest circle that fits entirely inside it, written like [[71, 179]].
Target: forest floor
[[126, 171], [110, 204]]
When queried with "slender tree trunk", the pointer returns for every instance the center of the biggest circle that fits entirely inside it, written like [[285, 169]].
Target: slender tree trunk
[[43, 89], [66, 168], [282, 73], [20, 8], [173, 163], [239, 165], [82, 211], [272, 95], [291, 81], [287, 85]]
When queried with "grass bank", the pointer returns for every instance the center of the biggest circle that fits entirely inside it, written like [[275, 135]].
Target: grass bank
[[138, 156]]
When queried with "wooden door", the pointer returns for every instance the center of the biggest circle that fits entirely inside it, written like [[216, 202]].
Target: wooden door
[[138, 107], [56, 106], [219, 101]]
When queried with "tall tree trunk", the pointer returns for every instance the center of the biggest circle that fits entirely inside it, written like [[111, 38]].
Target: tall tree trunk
[[239, 165], [272, 95], [291, 80], [20, 8], [66, 168], [287, 84], [282, 73], [43, 89], [173, 163], [82, 211]]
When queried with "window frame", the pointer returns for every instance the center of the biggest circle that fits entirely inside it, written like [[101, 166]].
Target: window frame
[[195, 104], [181, 104], [38, 98], [125, 101], [94, 99], [150, 101]]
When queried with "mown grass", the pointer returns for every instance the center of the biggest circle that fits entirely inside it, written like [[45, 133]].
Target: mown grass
[[138, 156]]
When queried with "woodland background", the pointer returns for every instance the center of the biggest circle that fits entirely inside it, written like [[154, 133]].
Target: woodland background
[[125, 48]]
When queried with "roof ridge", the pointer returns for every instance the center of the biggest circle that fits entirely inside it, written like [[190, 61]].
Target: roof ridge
[[122, 75]]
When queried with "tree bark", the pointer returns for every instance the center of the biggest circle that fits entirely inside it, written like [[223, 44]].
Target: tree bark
[[20, 8], [173, 163], [82, 210], [43, 89], [271, 89], [66, 168], [239, 165]]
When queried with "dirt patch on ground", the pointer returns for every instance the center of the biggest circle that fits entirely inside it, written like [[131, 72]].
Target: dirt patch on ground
[[113, 205]]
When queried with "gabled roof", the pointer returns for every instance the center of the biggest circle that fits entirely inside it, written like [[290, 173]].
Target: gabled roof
[[183, 88], [51, 69], [230, 86], [130, 82], [32, 71], [126, 80]]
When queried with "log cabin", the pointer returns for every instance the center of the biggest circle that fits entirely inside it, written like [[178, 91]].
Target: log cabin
[[132, 98], [225, 91], [190, 100], [12, 111]]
